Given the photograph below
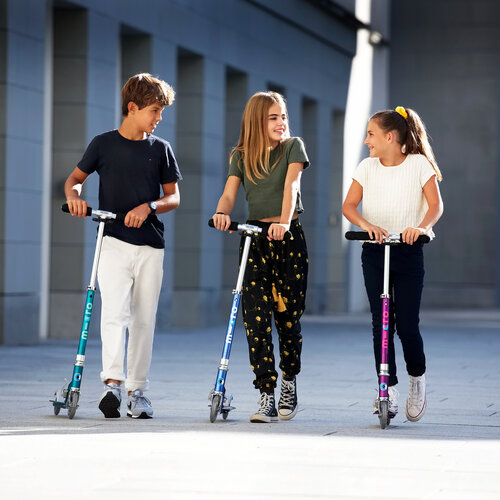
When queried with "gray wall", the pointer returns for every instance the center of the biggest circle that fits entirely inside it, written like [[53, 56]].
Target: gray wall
[[445, 65], [62, 66]]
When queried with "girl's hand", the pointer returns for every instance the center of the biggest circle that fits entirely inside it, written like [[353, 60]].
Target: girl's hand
[[277, 231], [221, 222], [411, 234], [375, 232]]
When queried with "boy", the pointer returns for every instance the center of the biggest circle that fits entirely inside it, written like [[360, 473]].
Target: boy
[[132, 165]]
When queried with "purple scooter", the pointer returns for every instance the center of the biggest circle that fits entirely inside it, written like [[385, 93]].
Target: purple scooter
[[383, 376]]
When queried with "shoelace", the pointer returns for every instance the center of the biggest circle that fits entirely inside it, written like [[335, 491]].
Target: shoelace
[[415, 395], [266, 403], [287, 392], [137, 396]]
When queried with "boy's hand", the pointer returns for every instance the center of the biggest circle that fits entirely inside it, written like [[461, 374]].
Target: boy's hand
[[137, 216], [77, 207]]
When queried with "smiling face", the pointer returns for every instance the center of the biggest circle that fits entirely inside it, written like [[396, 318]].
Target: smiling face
[[377, 140], [146, 118], [277, 123]]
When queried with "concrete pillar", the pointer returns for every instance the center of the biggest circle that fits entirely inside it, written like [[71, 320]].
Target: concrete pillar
[[200, 142], [164, 66], [236, 99], [85, 76], [316, 124], [22, 45], [337, 245]]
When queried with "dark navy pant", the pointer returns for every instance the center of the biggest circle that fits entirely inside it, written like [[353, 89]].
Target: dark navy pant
[[406, 281]]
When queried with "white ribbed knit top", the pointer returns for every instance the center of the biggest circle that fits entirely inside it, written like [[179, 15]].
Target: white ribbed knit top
[[393, 198]]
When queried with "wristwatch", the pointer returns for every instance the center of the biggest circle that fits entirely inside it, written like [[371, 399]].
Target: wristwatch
[[153, 206]]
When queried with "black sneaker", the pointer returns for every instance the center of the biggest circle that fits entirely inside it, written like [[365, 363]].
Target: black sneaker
[[287, 406], [267, 411]]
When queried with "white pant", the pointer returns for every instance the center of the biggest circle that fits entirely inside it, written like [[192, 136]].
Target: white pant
[[130, 282]]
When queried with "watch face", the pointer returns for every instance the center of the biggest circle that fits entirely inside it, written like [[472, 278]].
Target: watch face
[[152, 205]]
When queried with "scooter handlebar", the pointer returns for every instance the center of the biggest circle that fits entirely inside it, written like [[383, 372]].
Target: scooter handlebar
[[393, 238], [237, 226], [102, 214]]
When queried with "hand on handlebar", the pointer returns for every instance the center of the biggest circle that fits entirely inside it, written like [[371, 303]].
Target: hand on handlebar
[[375, 232], [222, 222], [77, 207], [411, 234]]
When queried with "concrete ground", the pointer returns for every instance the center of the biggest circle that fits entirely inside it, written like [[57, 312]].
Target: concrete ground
[[334, 447]]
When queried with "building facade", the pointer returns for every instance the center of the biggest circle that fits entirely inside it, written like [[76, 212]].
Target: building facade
[[62, 67]]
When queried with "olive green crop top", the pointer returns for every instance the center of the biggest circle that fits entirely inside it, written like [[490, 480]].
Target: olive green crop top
[[265, 196]]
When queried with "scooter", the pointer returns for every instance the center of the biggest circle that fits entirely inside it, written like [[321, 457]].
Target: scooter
[[220, 401], [383, 377], [69, 395]]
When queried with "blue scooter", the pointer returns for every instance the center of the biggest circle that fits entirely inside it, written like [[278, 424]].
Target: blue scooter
[[69, 396], [220, 401]]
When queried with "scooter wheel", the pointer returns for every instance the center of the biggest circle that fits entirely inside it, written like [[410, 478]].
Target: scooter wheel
[[214, 409], [73, 398], [57, 409], [384, 414]]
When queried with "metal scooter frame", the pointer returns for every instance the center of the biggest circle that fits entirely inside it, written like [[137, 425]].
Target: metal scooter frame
[[383, 376], [220, 401], [69, 396]]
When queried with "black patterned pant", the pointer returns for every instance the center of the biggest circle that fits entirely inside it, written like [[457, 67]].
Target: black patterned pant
[[275, 283]]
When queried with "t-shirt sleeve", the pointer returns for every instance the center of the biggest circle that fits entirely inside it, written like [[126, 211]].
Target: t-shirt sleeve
[[297, 152], [90, 158], [426, 171], [359, 174], [236, 166], [170, 171]]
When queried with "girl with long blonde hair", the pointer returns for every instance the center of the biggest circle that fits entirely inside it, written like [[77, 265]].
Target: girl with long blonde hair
[[269, 164]]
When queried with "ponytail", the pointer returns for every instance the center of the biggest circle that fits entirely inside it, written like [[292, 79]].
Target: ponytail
[[411, 133]]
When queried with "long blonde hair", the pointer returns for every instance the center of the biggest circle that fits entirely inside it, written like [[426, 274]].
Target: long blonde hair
[[253, 143], [411, 131]]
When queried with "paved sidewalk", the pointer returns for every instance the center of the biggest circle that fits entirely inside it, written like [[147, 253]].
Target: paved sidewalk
[[334, 448]]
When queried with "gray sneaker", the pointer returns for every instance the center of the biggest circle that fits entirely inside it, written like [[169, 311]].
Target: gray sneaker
[[110, 400], [138, 405]]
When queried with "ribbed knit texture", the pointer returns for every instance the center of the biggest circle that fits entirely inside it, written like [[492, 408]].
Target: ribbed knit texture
[[393, 198]]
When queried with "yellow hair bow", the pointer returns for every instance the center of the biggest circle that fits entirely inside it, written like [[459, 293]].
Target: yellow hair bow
[[402, 112]]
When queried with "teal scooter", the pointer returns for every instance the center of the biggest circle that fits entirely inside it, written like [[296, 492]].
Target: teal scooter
[[68, 396]]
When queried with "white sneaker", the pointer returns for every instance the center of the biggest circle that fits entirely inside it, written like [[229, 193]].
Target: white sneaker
[[138, 405], [393, 402], [416, 402]]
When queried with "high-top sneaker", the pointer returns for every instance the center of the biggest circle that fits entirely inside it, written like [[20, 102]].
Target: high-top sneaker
[[287, 405], [417, 401], [267, 410], [393, 402]]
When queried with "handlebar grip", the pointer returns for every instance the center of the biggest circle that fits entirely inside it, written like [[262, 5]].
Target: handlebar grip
[[232, 227], [65, 209], [364, 236], [357, 235]]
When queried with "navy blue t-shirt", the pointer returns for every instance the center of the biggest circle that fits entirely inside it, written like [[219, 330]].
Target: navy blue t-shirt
[[131, 173]]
